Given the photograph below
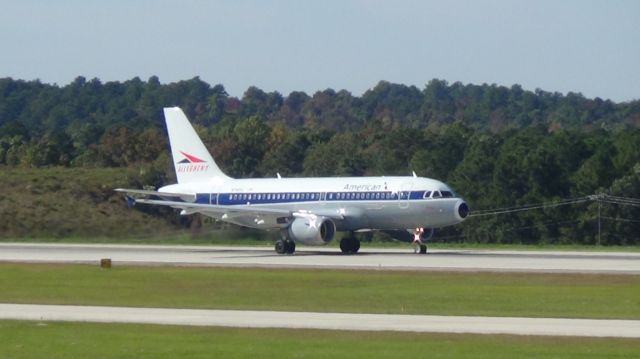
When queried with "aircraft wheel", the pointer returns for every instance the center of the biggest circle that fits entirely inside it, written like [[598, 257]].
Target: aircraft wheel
[[349, 245], [423, 249], [356, 245], [344, 245], [290, 246], [281, 247]]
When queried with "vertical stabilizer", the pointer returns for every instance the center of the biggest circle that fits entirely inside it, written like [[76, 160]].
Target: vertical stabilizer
[[192, 160]]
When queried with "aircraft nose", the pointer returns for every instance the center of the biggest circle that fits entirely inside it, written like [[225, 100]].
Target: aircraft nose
[[462, 210]]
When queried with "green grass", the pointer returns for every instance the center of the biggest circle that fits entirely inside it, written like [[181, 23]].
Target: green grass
[[52, 340], [62, 202], [443, 293]]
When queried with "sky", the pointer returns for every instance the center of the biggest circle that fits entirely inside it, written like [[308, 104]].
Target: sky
[[587, 46]]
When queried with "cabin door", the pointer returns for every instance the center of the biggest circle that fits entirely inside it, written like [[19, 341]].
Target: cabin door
[[404, 194]]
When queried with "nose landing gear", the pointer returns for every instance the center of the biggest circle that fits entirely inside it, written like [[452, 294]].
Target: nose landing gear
[[418, 246]]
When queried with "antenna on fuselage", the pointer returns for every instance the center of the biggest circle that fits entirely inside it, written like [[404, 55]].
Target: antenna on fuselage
[[414, 174]]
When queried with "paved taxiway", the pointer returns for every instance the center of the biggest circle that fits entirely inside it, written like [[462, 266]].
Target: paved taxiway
[[332, 321], [313, 257]]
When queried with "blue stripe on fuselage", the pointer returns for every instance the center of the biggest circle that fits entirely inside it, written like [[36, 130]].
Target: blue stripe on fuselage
[[304, 197]]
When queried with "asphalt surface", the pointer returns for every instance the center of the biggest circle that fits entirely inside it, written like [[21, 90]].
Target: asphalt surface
[[323, 257], [331, 321]]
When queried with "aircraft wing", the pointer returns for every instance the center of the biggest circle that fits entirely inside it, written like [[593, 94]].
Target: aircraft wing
[[197, 207], [225, 213]]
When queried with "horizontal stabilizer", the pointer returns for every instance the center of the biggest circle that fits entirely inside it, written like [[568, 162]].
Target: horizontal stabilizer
[[186, 197]]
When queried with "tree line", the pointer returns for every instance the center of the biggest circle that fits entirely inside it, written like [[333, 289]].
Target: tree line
[[497, 146]]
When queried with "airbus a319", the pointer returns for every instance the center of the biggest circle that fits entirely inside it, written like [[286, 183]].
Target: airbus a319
[[308, 210]]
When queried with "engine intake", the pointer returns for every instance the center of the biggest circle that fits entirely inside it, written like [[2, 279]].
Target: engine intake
[[462, 211], [312, 230]]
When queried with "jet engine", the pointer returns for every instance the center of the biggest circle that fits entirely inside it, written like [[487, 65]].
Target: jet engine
[[312, 230]]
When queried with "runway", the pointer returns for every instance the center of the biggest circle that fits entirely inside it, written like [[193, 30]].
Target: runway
[[328, 257], [330, 321]]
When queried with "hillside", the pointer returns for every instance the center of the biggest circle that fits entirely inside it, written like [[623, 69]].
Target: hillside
[[78, 202]]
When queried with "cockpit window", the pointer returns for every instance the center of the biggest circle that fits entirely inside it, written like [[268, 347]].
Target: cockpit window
[[436, 194], [447, 194], [427, 194]]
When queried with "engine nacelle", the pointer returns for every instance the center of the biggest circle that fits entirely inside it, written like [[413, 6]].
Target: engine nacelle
[[312, 230]]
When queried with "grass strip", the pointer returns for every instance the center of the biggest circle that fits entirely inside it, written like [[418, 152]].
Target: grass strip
[[53, 340], [357, 291]]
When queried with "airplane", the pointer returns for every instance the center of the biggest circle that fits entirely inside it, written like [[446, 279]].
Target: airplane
[[305, 210]]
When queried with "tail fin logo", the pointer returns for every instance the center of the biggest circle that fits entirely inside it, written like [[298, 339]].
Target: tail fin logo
[[190, 158], [191, 163]]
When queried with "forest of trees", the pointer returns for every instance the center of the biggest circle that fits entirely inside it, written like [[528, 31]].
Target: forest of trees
[[497, 146]]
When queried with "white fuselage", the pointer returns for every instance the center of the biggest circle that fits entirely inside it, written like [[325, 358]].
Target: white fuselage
[[365, 203]]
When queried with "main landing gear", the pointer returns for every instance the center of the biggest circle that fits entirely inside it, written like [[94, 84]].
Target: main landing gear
[[285, 246], [350, 244]]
